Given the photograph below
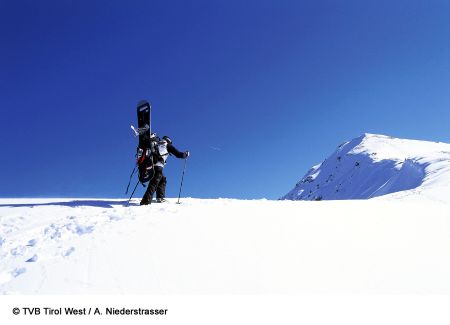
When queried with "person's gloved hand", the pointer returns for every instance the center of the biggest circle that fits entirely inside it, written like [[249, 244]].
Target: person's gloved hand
[[186, 154]]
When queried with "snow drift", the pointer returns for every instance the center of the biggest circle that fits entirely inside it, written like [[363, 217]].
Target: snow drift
[[375, 165]]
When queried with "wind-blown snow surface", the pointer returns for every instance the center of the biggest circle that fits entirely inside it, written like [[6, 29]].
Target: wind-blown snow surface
[[64, 246], [375, 165]]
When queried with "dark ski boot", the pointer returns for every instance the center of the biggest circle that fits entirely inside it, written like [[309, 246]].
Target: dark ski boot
[[146, 200]]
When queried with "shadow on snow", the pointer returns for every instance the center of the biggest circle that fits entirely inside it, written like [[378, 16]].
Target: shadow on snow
[[76, 203]]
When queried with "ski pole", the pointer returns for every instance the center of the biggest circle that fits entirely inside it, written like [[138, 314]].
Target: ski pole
[[132, 173], [128, 203], [182, 177]]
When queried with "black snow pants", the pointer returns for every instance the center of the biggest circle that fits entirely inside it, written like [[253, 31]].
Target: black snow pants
[[158, 184]]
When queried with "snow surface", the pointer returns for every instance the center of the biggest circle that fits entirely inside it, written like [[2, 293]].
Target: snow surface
[[374, 165], [101, 246]]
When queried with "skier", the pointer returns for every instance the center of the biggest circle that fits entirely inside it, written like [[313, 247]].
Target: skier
[[163, 147]]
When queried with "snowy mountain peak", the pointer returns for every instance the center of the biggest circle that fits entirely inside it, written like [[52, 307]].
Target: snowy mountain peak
[[372, 165]]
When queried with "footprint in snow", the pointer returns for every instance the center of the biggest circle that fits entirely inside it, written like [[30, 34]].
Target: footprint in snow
[[32, 259], [17, 251], [53, 231], [32, 242], [8, 276], [81, 230], [69, 251], [18, 271], [114, 218]]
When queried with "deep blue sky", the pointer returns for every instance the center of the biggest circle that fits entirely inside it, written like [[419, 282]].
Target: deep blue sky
[[258, 91]]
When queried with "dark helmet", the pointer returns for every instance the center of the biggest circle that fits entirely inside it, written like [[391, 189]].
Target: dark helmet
[[168, 140]]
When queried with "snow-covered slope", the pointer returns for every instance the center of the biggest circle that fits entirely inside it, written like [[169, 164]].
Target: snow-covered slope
[[375, 165], [74, 246]]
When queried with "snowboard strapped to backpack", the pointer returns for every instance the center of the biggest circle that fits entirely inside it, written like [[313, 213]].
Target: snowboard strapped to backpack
[[144, 156], [144, 160]]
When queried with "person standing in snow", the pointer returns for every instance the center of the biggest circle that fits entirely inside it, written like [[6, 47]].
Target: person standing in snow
[[163, 148]]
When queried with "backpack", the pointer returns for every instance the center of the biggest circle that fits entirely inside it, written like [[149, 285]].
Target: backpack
[[160, 150], [144, 161], [147, 158]]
